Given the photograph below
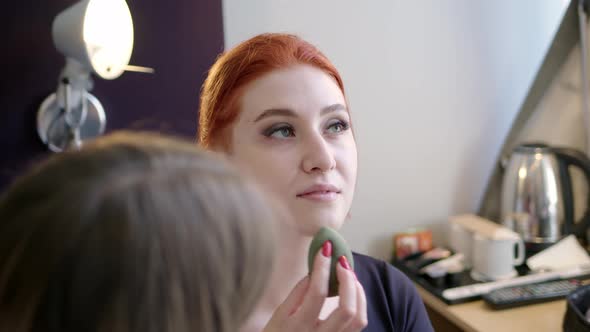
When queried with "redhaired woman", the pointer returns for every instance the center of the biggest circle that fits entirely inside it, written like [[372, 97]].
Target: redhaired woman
[[275, 105]]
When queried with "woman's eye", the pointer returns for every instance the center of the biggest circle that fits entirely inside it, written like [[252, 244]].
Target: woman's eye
[[280, 132], [337, 127]]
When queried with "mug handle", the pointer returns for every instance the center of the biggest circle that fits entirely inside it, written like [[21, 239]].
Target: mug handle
[[519, 259]]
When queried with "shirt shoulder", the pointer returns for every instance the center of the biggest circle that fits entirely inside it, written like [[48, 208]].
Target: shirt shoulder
[[382, 274], [392, 298]]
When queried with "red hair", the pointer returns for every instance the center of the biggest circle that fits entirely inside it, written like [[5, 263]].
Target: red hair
[[243, 64]]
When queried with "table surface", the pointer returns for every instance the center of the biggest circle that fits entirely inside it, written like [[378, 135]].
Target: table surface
[[477, 316]]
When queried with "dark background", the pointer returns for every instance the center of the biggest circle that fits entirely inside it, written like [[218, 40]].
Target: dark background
[[179, 39]]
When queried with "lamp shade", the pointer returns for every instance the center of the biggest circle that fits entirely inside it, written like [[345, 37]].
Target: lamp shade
[[96, 33]]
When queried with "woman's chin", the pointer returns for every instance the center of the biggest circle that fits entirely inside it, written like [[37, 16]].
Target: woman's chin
[[310, 225]]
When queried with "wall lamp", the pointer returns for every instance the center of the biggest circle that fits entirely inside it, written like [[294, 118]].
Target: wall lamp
[[95, 36]]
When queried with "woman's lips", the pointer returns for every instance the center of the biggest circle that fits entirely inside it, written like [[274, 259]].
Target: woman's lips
[[321, 196], [320, 193]]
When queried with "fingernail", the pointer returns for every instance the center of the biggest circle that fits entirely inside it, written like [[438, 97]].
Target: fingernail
[[344, 262], [327, 249]]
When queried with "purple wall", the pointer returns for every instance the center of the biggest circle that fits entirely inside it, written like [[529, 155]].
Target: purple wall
[[180, 39]]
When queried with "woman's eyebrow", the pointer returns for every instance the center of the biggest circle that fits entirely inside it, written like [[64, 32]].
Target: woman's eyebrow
[[274, 112], [333, 108], [290, 113]]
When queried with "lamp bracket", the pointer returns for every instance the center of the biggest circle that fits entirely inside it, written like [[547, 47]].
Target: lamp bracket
[[53, 124]]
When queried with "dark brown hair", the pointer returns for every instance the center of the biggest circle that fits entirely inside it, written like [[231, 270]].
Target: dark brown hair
[[135, 232]]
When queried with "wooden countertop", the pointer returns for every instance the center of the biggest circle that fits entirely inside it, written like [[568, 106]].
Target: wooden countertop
[[477, 316]]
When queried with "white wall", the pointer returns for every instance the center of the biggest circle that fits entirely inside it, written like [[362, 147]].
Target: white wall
[[433, 86]]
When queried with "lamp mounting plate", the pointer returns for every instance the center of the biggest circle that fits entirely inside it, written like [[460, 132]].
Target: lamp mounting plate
[[53, 129]]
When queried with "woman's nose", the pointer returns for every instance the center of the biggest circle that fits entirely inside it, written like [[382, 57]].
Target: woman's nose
[[318, 155]]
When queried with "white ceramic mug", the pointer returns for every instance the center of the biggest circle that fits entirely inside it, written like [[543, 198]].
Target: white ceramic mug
[[460, 240], [494, 257]]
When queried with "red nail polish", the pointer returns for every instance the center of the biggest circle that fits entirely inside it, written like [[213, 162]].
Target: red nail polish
[[327, 249], [344, 262]]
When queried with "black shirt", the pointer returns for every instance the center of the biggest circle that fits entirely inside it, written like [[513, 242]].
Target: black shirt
[[393, 303]]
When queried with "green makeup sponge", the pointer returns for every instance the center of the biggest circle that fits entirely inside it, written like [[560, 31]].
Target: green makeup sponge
[[339, 248]]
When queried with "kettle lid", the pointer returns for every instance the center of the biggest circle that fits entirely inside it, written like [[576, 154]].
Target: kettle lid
[[533, 148]]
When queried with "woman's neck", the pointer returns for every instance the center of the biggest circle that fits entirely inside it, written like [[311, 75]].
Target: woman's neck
[[290, 267]]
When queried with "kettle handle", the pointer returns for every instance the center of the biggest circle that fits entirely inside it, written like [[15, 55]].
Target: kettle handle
[[572, 157]]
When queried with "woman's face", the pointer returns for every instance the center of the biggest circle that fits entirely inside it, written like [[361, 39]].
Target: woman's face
[[293, 135]]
